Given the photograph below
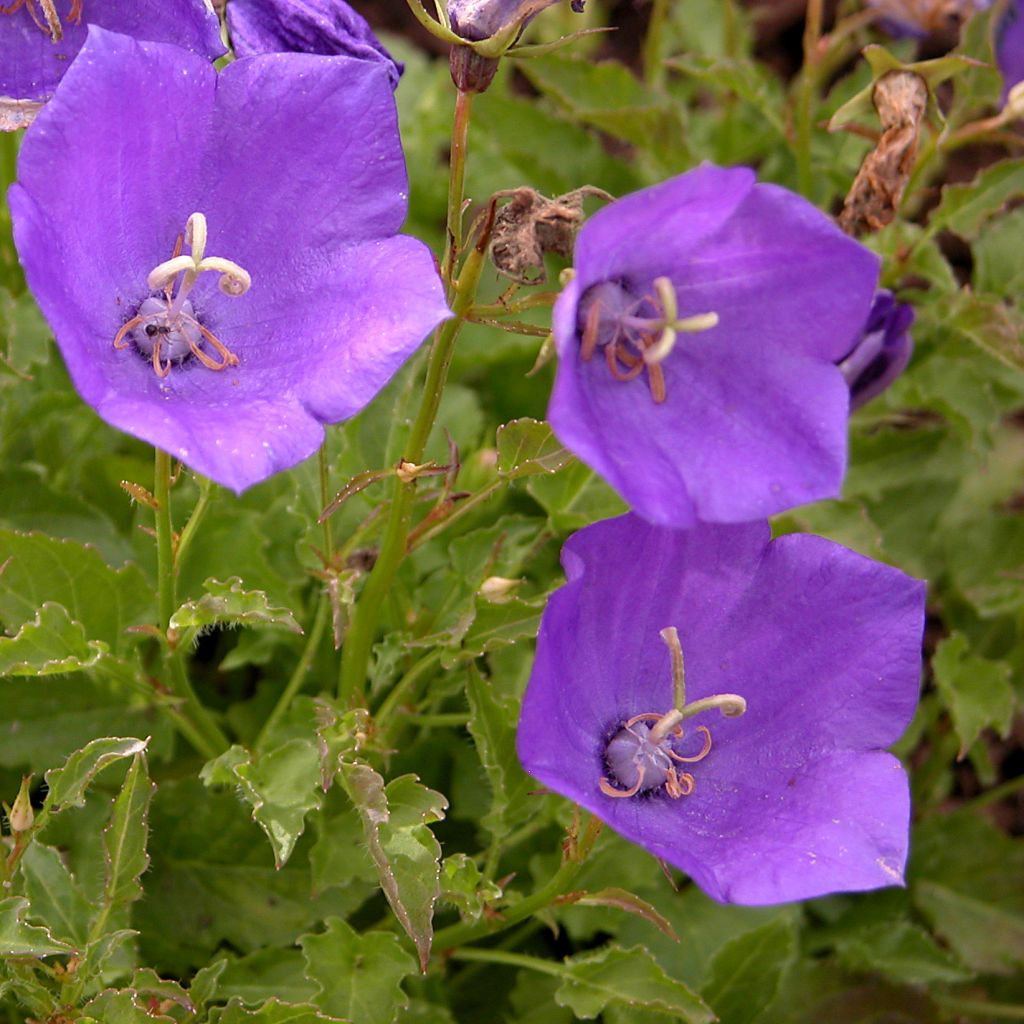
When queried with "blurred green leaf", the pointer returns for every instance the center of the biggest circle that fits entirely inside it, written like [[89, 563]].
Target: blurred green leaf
[[902, 952], [966, 208]]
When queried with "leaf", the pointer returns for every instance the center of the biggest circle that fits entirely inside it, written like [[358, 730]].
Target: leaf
[[574, 498], [527, 447], [359, 976], [229, 604], [978, 692], [67, 785], [404, 850], [52, 644], [124, 842], [496, 625], [902, 951], [621, 899], [987, 322], [266, 973], [281, 786], [592, 981], [204, 985], [966, 208], [998, 256], [464, 886], [746, 973], [42, 569], [119, 1007], [56, 897], [20, 939], [273, 1011], [492, 724]]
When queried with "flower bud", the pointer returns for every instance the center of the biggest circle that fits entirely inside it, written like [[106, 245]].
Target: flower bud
[[20, 816]]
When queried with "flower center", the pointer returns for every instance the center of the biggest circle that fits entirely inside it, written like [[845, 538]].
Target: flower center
[[44, 14], [642, 757], [165, 327], [637, 334]]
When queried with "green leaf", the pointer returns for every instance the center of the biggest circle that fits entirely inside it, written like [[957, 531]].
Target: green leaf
[[282, 787], [574, 498], [124, 843], [966, 208], [987, 322], [999, 256], [492, 724], [403, 848], [622, 899], [119, 1007], [273, 1011], [228, 603], [592, 981], [41, 569], [67, 785], [464, 886], [20, 939], [527, 447], [51, 644], [266, 973], [901, 951], [204, 985], [359, 976], [978, 692], [56, 897], [746, 973], [496, 624]]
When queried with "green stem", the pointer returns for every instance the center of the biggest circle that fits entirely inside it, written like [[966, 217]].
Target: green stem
[[325, 497], [164, 538], [441, 719], [998, 793], [401, 689], [298, 676], [192, 526], [806, 95], [463, 508], [355, 655], [456, 183], [500, 956], [462, 934], [981, 1008], [654, 64]]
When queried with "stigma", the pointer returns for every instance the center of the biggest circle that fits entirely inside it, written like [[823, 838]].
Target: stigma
[[637, 334], [643, 757], [165, 328], [44, 14]]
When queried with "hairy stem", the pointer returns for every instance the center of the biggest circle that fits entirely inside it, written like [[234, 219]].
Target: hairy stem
[[805, 98]]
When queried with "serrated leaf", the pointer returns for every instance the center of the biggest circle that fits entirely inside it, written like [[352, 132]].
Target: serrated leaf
[[124, 843], [978, 692], [359, 976], [966, 208], [146, 982], [42, 569], [281, 786], [746, 973], [20, 939], [204, 985], [228, 603], [56, 897], [592, 981], [987, 322], [901, 951], [51, 644], [492, 724], [464, 886], [273, 1011], [119, 1007], [526, 447], [496, 625], [67, 784], [404, 850]]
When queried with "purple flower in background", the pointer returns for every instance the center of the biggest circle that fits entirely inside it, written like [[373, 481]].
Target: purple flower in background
[[1010, 46], [327, 27], [882, 353], [40, 38], [480, 19], [697, 346], [924, 17], [755, 763], [223, 276]]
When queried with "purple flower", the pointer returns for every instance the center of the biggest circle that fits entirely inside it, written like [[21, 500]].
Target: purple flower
[[481, 19], [1010, 46], [697, 347], [40, 38], [328, 27], [883, 351], [755, 763], [923, 17], [145, 151]]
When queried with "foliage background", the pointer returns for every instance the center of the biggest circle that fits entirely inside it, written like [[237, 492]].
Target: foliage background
[[151, 867]]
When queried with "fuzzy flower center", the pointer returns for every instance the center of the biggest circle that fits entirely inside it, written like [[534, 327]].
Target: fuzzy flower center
[[636, 334], [165, 327], [642, 757], [44, 14]]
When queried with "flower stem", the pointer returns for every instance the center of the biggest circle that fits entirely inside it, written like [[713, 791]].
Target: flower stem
[[300, 672], [192, 526], [325, 497], [204, 733], [653, 56], [456, 183], [806, 93], [355, 654]]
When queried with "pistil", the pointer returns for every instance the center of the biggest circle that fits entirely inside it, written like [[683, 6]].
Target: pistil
[[169, 329], [644, 753], [640, 344]]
